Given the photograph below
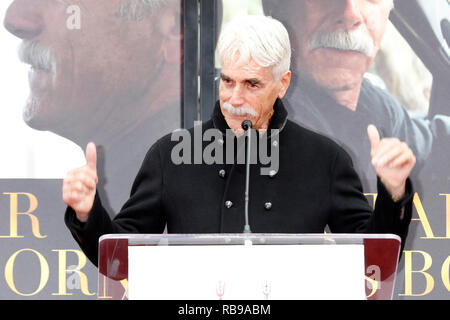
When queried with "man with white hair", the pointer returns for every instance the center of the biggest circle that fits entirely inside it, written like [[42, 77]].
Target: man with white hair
[[314, 186], [335, 42], [114, 76]]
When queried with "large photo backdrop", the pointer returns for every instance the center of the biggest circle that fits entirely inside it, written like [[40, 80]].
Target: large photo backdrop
[[105, 71], [404, 93]]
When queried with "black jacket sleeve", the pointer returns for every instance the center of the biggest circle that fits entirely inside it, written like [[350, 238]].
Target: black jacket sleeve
[[142, 213], [351, 210]]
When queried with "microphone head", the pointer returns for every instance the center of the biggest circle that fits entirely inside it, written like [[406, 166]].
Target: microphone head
[[246, 124]]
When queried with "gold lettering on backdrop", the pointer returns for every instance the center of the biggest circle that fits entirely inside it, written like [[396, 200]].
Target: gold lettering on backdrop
[[102, 290], [428, 261], [14, 212], [371, 284], [9, 272], [447, 214], [422, 218], [106, 283], [62, 273], [445, 273], [124, 284]]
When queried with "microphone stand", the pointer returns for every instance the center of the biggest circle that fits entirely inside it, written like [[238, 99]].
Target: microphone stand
[[247, 126]]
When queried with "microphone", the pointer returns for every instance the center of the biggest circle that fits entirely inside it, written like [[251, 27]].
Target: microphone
[[246, 125]]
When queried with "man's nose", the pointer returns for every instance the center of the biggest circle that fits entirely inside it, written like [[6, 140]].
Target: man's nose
[[23, 18], [237, 96], [350, 16]]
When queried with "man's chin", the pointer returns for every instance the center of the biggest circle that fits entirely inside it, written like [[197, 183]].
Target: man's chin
[[33, 116], [34, 123]]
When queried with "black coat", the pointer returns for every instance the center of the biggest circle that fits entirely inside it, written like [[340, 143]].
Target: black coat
[[315, 186]]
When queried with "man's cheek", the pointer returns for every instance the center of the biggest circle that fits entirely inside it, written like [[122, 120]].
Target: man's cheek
[[376, 25], [224, 94]]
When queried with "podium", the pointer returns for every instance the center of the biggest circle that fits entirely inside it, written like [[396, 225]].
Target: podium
[[247, 266]]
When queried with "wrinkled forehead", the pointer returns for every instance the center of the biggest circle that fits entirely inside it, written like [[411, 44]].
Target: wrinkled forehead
[[235, 60], [243, 68]]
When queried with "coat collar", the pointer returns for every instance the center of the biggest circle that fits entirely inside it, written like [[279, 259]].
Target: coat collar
[[278, 120]]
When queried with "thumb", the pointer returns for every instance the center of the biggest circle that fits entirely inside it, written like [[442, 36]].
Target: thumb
[[374, 136], [91, 156]]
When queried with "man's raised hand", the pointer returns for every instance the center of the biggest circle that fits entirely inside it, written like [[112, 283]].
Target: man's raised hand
[[79, 186], [393, 161]]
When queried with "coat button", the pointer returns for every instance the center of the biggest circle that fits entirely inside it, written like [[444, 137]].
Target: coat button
[[228, 204], [275, 143], [272, 173], [222, 173], [268, 206]]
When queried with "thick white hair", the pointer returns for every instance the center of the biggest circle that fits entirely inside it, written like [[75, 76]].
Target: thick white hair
[[259, 38]]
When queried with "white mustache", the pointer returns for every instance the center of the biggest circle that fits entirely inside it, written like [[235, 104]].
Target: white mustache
[[355, 40], [39, 57], [240, 111]]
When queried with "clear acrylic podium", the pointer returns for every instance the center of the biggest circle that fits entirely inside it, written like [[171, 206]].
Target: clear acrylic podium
[[320, 255]]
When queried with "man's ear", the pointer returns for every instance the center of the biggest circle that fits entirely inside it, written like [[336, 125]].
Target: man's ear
[[285, 81], [172, 31]]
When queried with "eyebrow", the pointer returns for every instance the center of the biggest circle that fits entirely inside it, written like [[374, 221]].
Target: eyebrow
[[252, 81], [224, 77]]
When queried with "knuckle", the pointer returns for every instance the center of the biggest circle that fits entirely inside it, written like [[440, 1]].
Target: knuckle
[[81, 175], [77, 185]]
